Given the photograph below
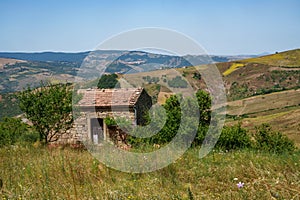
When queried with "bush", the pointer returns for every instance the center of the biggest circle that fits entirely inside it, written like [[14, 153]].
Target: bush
[[234, 137], [29, 137], [13, 130], [110, 121], [272, 141], [178, 82]]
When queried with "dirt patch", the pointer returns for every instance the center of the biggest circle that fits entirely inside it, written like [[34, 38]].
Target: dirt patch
[[162, 97]]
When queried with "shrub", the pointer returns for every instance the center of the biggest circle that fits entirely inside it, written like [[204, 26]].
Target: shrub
[[29, 137], [234, 137], [197, 76], [110, 121], [178, 82], [272, 141], [12, 131]]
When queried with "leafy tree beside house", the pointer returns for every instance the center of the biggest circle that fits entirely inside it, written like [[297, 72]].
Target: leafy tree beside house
[[49, 109], [166, 131]]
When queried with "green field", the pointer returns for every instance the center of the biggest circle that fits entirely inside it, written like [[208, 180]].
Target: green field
[[41, 173]]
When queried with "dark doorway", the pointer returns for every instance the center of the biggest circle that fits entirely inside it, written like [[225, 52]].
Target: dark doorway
[[97, 133]]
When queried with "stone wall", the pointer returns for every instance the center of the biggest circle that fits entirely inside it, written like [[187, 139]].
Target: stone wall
[[76, 134], [81, 126]]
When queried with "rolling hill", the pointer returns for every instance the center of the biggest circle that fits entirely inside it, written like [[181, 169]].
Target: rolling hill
[[262, 75], [283, 59]]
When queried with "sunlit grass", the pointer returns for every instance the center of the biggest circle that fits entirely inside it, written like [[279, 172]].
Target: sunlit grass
[[40, 173]]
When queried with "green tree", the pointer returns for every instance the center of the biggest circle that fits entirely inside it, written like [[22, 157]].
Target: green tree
[[173, 120], [204, 102], [49, 109], [108, 81]]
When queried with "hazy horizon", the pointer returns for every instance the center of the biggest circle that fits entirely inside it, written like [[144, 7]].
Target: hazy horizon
[[74, 52]]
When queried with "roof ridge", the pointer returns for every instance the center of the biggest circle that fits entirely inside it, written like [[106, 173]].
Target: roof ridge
[[110, 97]]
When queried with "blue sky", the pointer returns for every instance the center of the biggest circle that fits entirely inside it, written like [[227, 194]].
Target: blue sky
[[221, 27]]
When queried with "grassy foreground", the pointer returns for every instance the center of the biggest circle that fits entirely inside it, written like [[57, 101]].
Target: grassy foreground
[[41, 173]]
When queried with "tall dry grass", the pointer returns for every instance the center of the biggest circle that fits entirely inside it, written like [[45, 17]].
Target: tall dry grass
[[41, 173]]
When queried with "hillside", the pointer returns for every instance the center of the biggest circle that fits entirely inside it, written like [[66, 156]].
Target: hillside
[[283, 59], [279, 109], [265, 90], [243, 78], [262, 75], [9, 61], [46, 56], [257, 91]]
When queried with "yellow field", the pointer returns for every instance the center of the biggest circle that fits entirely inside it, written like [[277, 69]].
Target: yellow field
[[232, 68]]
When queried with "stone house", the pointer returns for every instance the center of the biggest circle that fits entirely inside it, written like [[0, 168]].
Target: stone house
[[98, 104]]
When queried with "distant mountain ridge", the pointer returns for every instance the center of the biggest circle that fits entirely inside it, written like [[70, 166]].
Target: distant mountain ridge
[[32, 68], [46, 56], [79, 56]]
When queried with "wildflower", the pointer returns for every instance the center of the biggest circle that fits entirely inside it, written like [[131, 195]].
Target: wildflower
[[240, 185], [235, 179]]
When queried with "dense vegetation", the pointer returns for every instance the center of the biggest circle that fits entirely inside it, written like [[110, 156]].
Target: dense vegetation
[[14, 131]]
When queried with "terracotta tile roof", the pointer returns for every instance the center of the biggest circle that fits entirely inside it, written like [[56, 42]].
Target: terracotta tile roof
[[110, 97]]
